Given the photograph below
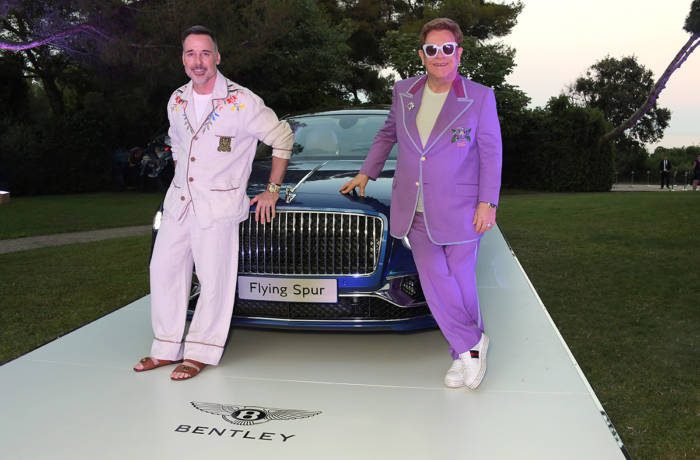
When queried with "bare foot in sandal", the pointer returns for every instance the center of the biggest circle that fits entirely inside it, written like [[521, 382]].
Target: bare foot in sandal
[[148, 363], [188, 369]]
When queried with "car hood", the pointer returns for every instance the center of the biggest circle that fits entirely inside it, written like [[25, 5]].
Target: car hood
[[320, 190]]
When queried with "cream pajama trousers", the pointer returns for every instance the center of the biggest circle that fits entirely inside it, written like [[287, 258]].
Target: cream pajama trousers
[[214, 252]]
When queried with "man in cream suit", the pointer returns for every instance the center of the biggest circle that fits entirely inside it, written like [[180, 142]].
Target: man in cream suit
[[446, 188], [215, 125]]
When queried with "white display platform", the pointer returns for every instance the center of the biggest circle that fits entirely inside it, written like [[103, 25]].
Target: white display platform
[[378, 395]]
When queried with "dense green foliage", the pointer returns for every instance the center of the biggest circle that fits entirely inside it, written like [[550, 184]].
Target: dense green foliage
[[558, 148], [692, 22]]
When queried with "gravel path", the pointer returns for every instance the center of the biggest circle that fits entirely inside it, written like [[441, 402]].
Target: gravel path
[[34, 242], [649, 188]]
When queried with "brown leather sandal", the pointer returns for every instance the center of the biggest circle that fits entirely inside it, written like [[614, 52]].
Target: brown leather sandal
[[150, 364], [189, 367]]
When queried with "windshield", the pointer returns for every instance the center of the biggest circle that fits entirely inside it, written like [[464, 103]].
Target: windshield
[[344, 136]]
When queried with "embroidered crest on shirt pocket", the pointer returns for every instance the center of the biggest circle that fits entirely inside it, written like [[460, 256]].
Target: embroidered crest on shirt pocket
[[224, 144], [461, 136]]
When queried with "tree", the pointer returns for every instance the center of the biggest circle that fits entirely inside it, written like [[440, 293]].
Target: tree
[[618, 87], [15, 89], [365, 23], [295, 58], [629, 156], [53, 37], [692, 25]]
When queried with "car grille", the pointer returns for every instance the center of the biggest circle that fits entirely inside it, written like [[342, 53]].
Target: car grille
[[347, 308], [311, 243]]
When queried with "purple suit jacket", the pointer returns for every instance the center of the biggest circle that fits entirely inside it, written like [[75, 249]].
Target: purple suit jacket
[[459, 166]]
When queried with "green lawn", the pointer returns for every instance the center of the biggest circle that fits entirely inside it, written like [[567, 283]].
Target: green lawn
[[51, 291], [43, 215], [617, 272]]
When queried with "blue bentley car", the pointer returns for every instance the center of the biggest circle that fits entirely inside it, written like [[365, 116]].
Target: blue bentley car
[[327, 261]]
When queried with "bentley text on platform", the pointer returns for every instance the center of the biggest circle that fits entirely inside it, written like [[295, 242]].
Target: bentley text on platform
[[231, 433]]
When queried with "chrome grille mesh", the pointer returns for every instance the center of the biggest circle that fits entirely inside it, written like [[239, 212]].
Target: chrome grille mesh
[[311, 243]]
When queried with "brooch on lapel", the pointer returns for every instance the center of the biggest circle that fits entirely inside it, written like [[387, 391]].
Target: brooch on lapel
[[461, 136], [410, 106], [224, 144]]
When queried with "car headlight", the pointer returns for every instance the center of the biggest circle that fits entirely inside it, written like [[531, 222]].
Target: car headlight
[[156, 220]]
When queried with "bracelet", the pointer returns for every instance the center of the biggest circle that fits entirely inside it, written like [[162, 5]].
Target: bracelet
[[273, 188]]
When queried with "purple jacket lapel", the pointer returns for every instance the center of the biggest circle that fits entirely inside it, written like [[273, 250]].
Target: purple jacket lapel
[[455, 105], [410, 102]]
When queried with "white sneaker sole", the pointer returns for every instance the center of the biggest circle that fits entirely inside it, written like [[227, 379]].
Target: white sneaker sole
[[454, 383], [482, 368], [454, 378]]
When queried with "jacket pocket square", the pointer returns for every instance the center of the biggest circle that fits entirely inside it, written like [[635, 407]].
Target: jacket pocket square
[[461, 136]]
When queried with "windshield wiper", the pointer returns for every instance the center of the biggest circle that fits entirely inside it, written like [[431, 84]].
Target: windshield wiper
[[289, 194]]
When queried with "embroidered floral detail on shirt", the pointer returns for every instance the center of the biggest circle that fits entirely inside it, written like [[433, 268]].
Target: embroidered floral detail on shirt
[[211, 118], [232, 101], [178, 102], [461, 136], [236, 105], [187, 123]]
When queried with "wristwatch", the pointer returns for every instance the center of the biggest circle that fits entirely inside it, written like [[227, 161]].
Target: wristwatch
[[491, 205], [273, 188]]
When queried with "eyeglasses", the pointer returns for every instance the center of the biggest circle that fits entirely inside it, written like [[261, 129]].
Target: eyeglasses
[[448, 49]]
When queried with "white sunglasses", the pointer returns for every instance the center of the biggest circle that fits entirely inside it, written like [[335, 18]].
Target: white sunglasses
[[448, 49]]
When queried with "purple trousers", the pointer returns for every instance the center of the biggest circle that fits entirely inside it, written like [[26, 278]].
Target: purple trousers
[[448, 278], [214, 251]]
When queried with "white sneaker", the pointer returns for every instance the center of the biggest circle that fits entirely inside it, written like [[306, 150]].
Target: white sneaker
[[474, 363], [455, 375]]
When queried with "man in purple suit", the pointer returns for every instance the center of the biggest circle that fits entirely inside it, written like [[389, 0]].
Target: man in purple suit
[[446, 188]]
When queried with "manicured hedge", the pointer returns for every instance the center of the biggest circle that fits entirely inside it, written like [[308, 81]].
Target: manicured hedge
[[557, 149]]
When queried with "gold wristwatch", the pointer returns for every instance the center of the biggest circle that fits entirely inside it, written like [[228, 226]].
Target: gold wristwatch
[[491, 205], [273, 188]]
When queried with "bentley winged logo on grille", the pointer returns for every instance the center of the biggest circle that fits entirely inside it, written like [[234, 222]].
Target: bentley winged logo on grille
[[251, 415]]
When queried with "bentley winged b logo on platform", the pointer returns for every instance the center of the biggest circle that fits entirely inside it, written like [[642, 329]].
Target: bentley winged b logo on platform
[[251, 415]]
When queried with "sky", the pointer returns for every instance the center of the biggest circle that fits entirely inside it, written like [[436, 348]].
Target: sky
[[556, 41]]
